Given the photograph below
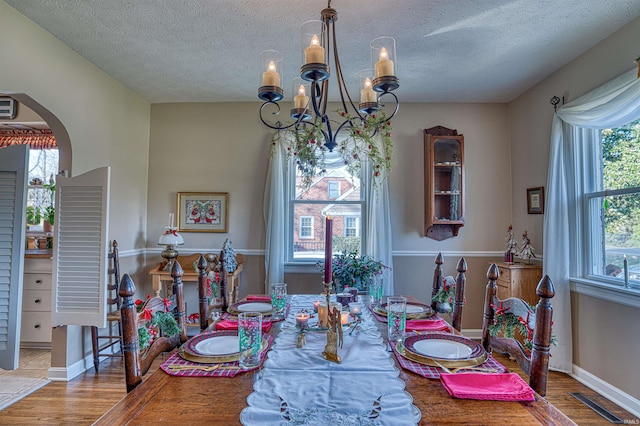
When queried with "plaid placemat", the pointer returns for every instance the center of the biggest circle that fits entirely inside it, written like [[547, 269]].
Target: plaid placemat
[[175, 359], [377, 315], [430, 372]]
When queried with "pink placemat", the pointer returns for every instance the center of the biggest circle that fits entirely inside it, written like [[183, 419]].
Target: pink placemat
[[266, 319], [436, 324], [430, 372], [233, 325], [175, 359], [495, 387]]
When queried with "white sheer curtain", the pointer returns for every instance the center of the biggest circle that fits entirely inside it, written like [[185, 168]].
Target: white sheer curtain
[[378, 220], [574, 136]]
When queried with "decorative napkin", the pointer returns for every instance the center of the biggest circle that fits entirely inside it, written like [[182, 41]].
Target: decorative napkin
[[259, 298], [233, 325], [495, 387], [430, 372], [175, 359], [428, 325]]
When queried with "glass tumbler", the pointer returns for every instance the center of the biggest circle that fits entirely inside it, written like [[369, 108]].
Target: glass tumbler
[[396, 317], [250, 337], [278, 300], [375, 290]]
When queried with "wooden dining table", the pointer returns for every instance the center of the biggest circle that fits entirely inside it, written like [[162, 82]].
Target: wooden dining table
[[163, 398]]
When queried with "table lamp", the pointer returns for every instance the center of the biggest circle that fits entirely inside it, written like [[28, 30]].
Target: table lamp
[[170, 238]]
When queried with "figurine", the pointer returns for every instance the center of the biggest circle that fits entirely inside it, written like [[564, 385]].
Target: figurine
[[527, 249], [512, 246]]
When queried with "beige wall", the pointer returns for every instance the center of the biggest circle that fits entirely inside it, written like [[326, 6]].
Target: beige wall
[[225, 148], [606, 343], [107, 123]]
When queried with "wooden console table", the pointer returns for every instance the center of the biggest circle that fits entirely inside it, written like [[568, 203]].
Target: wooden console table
[[159, 275]]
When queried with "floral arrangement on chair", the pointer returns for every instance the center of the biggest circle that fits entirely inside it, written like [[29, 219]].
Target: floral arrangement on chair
[[351, 270], [446, 295], [151, 324], [508, 324]]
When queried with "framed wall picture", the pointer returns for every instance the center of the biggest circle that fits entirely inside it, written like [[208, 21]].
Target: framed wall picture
[[535, 200], [203, 211]]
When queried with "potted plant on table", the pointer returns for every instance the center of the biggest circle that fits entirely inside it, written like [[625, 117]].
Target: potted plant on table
[[49, 210], [352, 270]]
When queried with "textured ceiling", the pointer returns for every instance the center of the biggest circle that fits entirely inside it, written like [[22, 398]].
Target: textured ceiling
[[447, 50]]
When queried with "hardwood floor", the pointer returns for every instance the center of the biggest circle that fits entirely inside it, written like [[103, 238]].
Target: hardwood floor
[[85, 398]]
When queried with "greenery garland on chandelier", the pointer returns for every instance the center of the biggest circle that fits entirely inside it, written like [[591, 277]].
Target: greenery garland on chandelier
[[307, 147]]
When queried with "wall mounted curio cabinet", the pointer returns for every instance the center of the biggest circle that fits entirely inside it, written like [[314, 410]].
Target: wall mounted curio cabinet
[[443, 182]]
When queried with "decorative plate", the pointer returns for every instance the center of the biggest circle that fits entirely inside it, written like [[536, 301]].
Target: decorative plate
[[250, 306], [214, 347], [442, 349], [414, 310]]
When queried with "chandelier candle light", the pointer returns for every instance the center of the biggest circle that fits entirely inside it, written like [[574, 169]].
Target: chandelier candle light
[[319, 48]]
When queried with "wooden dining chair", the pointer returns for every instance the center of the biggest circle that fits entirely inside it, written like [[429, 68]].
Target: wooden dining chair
[[137, 364], [461, 279], [536, 365], [113, 334]]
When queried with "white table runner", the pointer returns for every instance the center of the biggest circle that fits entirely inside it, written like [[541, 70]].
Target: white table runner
[[298, 386]]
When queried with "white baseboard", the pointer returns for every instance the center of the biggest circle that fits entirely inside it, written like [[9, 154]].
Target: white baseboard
[[619, 397], [64, 374]]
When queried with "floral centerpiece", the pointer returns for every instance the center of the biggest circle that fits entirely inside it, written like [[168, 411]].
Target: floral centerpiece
[[445, 295], [351, 270], [154, 323]]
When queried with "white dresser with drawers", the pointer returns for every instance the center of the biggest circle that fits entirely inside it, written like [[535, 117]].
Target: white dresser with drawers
[[36, 303]]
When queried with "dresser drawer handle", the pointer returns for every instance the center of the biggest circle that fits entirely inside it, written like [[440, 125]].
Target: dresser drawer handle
[[37, 301], [36, 326], [38, 281]]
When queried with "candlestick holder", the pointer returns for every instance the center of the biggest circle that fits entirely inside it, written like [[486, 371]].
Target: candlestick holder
[[334, 332]]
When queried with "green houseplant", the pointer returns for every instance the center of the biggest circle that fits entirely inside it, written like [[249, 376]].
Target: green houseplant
[[49, 210], [352, 270], [34, 215]]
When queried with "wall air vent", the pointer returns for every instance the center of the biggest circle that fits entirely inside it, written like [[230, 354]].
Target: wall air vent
[[8, 107]]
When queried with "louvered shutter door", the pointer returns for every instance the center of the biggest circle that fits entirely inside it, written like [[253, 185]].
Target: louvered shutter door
[[80, 249], [13, 194]]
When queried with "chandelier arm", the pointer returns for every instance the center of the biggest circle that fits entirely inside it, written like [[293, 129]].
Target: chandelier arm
[[274, 126], [315, 94], [342, 86], [396, 101]]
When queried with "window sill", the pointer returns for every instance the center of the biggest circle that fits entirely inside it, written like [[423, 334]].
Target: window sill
[[301, 268], [605, 291]]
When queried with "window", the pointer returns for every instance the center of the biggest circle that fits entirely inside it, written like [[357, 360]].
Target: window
[[333, 189], [613, 207], [336, 193], [306, 227], [351, 226]]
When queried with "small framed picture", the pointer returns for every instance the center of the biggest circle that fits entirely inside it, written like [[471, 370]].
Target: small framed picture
[[203, 211], [535, 200]]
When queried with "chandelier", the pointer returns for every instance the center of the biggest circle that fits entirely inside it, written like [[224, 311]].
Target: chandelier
[[310, 91]]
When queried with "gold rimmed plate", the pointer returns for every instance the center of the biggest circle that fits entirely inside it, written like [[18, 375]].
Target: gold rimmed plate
[[214, 347], [250, 306], [442, 349], [414, 310]]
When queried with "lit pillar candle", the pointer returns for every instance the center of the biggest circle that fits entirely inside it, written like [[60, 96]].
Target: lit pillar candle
[[344, 317], [271, 77], [302, 319], [328, 250], [314, 54], [315, 305], [355, 308], [322, 314], [301, 99], [384, 66], [367, 94]]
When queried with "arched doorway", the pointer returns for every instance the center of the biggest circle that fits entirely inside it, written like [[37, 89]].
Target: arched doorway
[[37, 112]]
